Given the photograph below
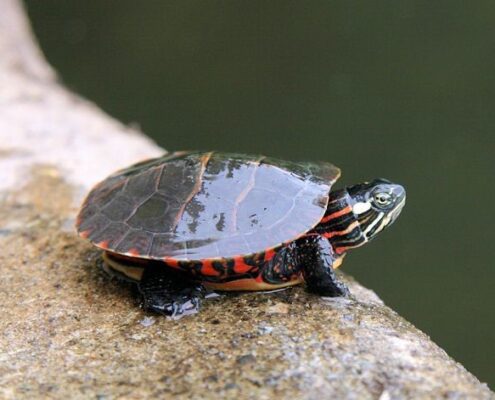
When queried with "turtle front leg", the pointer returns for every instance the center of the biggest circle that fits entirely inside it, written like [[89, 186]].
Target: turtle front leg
[[170, 293], [316, 258]]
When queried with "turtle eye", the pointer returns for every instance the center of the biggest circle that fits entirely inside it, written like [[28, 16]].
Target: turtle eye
[[382, 199]]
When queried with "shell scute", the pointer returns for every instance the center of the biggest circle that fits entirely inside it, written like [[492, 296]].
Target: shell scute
[[135, 242], [119, 208], [155, 214]]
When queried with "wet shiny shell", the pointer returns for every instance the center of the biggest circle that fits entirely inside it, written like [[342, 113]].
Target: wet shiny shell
[[196, 206]]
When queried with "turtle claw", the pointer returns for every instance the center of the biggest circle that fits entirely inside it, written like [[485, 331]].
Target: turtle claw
[[317, 257], [170, 293], [174, 305], [338, 289]]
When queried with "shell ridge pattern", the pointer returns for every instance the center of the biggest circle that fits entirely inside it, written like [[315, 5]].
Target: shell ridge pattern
[[118, 242], [204, 160], [100, 229], [138, 206], [242, 196], [141, 203], [159, 177], [291, 208], [195, 206], [246, 243], [133, 231]]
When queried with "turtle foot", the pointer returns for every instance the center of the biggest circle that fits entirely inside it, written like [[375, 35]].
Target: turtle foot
[[337, 289], [170, 294]]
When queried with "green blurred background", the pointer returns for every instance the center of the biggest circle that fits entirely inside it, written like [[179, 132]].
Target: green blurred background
[[397, 89]]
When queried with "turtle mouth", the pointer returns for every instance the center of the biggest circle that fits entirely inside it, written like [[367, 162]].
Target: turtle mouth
[[400, 194], [398, 209]]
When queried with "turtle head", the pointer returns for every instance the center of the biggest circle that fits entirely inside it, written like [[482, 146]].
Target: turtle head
[[356, 214], [376, 205]]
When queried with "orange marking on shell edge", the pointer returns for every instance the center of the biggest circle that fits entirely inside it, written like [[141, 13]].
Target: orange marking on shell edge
[[208, 270], [269, 254], [328, 235], [103, 244], [240, 267], [132, 252], [84, 234], [337, 214], [171, 262]]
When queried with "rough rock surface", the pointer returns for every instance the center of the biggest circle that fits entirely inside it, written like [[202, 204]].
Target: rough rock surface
[[69, 331]]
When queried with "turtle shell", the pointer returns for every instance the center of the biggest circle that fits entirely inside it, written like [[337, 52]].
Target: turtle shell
[[198, 205]]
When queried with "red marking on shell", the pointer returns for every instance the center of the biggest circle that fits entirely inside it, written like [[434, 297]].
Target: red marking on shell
[[171, 262], [240, 267], [133, 252], [269, 254], [103, 244], [337, 214], [208, 270], [84, 234]]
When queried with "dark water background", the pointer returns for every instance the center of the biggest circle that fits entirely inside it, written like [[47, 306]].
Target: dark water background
[[397, 89]]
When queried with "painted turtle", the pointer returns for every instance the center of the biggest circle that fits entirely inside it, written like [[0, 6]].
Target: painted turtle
[[190, 221]]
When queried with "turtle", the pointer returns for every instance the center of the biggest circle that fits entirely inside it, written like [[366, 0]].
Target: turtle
[[188, 223]]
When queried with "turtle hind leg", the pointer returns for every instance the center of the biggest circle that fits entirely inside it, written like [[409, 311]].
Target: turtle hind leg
[[170, 293], [317, 258]]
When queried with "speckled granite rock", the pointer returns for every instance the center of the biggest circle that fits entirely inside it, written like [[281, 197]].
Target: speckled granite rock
[[69, 331]]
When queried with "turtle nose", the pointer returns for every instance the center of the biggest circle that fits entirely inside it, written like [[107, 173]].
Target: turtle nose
[[381, 181], [400, 192]]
